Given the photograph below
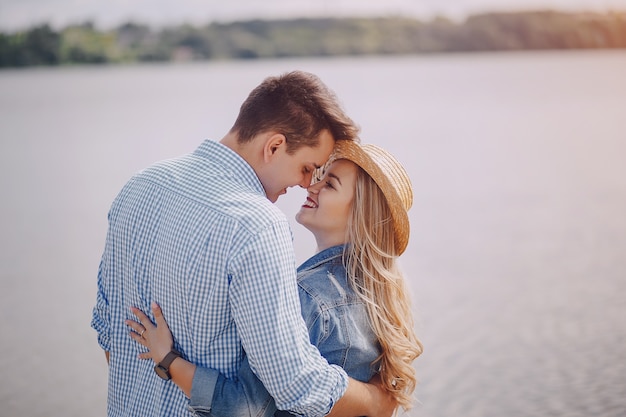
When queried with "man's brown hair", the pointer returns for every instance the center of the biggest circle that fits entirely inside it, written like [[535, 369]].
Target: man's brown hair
[[296, 104]]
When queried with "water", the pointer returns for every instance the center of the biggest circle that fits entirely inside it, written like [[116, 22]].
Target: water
[[517, 258]]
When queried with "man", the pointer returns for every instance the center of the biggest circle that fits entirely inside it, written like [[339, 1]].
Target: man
[[200, 235]]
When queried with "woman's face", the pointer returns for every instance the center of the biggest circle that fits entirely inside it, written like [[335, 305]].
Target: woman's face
[[328, 204]]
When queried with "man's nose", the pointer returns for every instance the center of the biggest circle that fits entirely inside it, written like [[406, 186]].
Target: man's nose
[[306, 180]]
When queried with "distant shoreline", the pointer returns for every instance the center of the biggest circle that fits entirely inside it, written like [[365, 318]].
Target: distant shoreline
[[311, 37]]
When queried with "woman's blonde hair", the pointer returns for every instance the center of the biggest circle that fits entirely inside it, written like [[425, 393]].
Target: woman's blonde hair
[[371, 262]]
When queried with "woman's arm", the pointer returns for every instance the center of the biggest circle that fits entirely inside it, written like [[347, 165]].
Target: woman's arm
[[157, 338], [211, 394]]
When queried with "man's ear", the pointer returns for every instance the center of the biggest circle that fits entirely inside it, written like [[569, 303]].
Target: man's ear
[[273, 143]]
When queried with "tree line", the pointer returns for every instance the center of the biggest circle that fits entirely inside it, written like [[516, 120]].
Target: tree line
[[315, 37]]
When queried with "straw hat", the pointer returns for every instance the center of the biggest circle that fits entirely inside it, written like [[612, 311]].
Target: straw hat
[[389, 175]]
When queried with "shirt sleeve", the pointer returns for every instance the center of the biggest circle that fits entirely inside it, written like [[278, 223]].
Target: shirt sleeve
[[212, 395], [266, 309], [101, 316]]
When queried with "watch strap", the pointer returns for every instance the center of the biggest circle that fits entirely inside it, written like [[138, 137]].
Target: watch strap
[[168, 359]]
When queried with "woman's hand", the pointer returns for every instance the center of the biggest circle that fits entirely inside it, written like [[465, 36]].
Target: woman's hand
[[156, 337]]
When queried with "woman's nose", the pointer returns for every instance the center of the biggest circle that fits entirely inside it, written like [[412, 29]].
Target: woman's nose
[[314, 188]]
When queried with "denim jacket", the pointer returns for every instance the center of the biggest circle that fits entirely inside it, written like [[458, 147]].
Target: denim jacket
[[338, 325]]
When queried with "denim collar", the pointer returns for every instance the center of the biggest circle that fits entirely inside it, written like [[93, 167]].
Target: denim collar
[[322, 257]]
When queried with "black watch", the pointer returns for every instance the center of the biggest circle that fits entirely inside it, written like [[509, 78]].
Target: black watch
[[162, 369]]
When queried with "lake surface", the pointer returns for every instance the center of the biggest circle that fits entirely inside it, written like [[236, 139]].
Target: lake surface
[[517, 259]]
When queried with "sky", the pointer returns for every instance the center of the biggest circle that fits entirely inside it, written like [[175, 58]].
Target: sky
[[22, 14]]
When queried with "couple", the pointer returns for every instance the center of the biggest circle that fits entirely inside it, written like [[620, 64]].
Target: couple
[[200, 235]]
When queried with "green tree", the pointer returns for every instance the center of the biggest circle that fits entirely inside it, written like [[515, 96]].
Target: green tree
[[83, 44], [37, 46]]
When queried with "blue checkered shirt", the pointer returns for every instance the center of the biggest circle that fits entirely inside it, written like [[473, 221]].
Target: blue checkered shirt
[[198, 235]]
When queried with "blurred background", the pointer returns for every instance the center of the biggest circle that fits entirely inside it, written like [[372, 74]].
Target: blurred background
[[509, 115]]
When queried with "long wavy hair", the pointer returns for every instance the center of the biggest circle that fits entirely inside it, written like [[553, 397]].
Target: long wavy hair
[[371, 262]]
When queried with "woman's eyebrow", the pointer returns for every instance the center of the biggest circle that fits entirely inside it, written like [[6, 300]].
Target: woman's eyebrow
[[331, 175]]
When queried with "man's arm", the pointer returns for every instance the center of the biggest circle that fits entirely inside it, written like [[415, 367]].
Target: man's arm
[[211, 394], [247, 397], [100, 319], [266, 308], [363, 399]]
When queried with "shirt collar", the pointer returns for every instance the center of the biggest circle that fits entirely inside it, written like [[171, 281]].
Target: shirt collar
[[232, 162], [322, 257]]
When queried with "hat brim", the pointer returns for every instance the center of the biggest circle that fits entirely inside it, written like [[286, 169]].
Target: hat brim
[[380, 165]]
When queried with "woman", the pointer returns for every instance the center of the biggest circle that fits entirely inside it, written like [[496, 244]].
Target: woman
[[352, 293]]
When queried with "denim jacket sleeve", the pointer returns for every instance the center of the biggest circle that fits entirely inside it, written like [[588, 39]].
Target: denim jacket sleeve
[[213, 395]]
